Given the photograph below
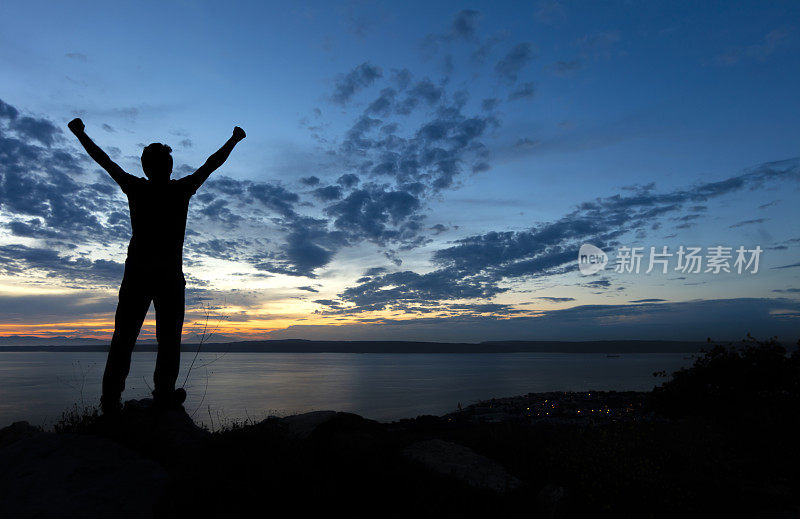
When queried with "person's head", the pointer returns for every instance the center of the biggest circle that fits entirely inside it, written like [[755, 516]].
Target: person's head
[[157, 161]]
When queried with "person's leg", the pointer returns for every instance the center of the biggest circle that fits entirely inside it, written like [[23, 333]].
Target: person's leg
[[134, 301], [169, 304]]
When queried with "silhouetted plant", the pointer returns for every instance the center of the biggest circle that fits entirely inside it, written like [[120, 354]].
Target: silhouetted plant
[[80, 372], [205, 335], [756, 379], [78, 420]]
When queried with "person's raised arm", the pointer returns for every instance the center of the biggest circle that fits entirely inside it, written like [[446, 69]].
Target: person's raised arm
[[216, 160], [99, 156]]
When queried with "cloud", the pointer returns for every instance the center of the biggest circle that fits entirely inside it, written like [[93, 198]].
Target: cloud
[[598, 283], [47, 192], [19, 259], [526, 143], [565, 68], [77, 56], [308, 246], [514, 61], [477, 266], [690, 320], [489, 104], [348, 180], [225, 249], [225, 185], [465, 24], [409, 288], [422, 91], [50, 307], [309, 181], [789, 266], [439, 228], [327, 302], [463, 28], [7, 111], [277, 198], [411, 141], [357, 79], [217, 210], [748, 222], [485, 48], [376, 214], [32, 228], [32, 128], [48, 195], [772, 42], [328, 193], [305, 255], [299, 244], [390, 174], [525, 91], [45, 188], [428, 158]]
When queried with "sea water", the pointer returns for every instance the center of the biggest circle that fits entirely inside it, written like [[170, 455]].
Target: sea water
[[39, 386]]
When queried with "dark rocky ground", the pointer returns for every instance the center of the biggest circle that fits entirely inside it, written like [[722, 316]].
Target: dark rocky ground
[[541, 455]]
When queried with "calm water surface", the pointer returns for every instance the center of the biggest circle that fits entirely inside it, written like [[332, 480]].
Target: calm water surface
[[39, 386]]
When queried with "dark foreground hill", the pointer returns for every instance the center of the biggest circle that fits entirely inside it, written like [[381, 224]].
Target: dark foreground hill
[[718, 439], [541, 455]]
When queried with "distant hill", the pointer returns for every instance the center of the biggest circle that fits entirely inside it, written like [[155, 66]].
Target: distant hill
[[303, 346], [30, 340]]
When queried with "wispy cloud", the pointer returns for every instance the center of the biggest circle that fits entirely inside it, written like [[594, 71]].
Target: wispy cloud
[[476, 267], [357, 79], [772, 42], [688, 320]]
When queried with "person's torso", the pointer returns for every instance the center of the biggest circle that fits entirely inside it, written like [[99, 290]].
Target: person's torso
[[158, 224]]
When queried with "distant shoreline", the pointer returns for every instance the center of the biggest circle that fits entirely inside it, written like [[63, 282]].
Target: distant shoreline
[[303, 346]]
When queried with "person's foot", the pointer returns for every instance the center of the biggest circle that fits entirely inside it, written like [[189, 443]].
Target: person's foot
[[169, 399], [110, 405]]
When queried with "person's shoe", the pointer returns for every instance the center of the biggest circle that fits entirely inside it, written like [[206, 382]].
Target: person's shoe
[[169, 399], [179, 396], [110, 405]]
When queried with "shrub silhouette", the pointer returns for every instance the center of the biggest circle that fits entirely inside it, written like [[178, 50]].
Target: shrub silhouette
[[755, 380]]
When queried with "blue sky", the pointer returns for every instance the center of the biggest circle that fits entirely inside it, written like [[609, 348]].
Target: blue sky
[[417, 170]]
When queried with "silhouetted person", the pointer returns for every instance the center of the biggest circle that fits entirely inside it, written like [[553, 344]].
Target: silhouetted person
[[154, 268]]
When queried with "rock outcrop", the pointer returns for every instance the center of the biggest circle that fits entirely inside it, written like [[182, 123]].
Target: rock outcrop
[[48, 475], [462, 463]]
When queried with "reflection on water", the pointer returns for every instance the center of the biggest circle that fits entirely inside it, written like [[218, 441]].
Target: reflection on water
[[38, 386]]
